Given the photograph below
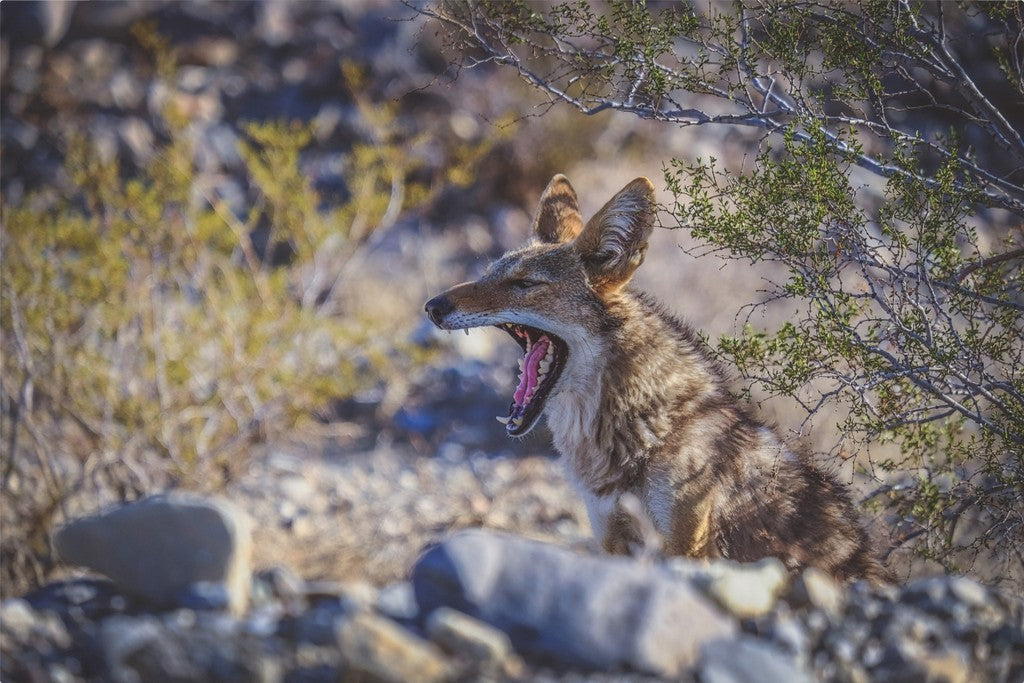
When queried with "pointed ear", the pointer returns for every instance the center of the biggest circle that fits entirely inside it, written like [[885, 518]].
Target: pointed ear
[[558, 218], [615, 240]]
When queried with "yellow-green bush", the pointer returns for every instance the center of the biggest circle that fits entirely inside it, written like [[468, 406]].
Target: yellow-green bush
[[147, 342]]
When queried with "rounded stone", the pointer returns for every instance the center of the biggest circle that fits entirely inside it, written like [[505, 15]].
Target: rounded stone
[[156, 548]]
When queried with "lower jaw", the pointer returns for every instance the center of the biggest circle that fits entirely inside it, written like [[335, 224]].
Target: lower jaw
[[526, 427]]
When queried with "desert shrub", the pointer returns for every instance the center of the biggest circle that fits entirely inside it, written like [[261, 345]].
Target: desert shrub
[[887, 184], [149, 341]]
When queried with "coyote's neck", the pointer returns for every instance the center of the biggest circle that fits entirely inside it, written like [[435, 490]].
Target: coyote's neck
[[572, 416], [620, 402], [573, 413]]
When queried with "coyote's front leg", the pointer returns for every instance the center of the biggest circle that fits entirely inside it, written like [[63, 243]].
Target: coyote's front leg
[[630, 530], [620, 535], [692, 532]]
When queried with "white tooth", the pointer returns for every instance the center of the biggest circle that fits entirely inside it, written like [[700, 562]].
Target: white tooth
[[522, 364], [544, 365], [502, 420], [517, 421]]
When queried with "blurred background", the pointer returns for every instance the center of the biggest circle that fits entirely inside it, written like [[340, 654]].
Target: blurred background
[[220, 223]]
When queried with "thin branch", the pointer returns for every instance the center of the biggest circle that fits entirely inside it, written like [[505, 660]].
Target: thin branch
[[988, 262]]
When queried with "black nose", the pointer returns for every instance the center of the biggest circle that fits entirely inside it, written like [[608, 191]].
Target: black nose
[[438, 307]]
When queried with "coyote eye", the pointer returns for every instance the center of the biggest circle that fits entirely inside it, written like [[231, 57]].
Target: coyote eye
[[526, 284]]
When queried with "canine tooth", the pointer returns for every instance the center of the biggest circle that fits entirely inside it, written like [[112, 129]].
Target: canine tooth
[[522, 364], [502, 420], [517, 421]]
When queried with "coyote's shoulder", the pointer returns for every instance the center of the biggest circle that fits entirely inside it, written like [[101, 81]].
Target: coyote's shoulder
[[635, 405]]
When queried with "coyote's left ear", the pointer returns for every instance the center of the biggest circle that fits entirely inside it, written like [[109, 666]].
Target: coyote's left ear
[[558, 217], [614, 241]]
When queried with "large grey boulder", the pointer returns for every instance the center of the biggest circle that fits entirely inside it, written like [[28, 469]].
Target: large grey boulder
[[166, 549], [570, 610]]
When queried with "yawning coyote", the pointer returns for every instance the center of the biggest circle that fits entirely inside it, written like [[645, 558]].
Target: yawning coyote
[[636, 406]]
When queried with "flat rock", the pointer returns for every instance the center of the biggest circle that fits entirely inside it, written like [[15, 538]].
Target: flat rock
[[969, 592], [461, 634], [159, 547], [141, 648], [569, 610], [816, 588], [398, 601], [17, 618], [745, 659], [376, 649], [182, 649], [951, 666], [747, 590]]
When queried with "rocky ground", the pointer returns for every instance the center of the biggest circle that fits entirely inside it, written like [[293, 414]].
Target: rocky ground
[[480, 605], [333, 569]]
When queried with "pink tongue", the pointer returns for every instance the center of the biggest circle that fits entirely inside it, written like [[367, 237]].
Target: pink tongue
[[528, 382]]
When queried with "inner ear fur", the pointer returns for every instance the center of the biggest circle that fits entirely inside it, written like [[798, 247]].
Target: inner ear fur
[[614, 241], [558, 218]]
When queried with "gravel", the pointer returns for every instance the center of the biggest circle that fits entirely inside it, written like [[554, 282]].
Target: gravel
[[371, 513]]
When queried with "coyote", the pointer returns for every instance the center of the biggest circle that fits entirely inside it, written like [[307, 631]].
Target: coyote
[[636, 406]]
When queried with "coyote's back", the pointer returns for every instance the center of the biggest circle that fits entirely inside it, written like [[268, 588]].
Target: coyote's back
[[635, 405]]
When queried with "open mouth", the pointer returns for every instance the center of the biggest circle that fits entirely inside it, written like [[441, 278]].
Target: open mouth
[[543, 360]]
